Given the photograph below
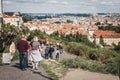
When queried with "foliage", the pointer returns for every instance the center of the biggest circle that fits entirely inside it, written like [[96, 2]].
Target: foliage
[[0, 59], [79, 38], [26, 19], [54, 69], [37, 33], [117, 47], [11, 33], [24, 30], [78, 62], [55, 35], [97, 23], [51, 74], [16, 56], [102, 41], [110, 27], [103, 56]]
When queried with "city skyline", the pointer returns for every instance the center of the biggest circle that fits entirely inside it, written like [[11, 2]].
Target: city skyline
[[62, 6]]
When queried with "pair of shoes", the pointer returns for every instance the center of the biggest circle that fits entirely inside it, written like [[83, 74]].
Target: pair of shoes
[[36, 68], [33, 67], [24, 69]]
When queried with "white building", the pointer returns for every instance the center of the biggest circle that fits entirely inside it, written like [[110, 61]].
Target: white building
[[109, 37], [13, 20]]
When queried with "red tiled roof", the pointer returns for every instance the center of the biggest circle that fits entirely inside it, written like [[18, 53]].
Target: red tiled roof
[[106, 34], [10, 16]]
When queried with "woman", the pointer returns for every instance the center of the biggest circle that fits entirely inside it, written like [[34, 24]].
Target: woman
[[35, 55], [12, 50]]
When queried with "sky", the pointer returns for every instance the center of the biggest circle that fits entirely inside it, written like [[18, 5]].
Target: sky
[[62, 6]]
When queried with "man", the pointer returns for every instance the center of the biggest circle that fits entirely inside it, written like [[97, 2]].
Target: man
[[51, 50], [23, 47]]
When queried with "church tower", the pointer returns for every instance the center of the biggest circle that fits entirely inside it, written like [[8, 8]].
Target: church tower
[[1, 15]]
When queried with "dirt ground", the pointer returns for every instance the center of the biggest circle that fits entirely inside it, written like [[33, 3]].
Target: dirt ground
[[79, 74]]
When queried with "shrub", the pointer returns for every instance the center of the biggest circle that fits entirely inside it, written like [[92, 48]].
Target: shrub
[[16, 56], [93, 54], [108, 67], [95, 66], [78, 49]]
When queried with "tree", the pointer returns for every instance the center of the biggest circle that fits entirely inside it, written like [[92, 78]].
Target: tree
[[117, 47], [98, 23], [25, 30], [26, 19], [101, 40]]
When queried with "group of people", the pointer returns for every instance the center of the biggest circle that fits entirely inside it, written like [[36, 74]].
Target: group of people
[[35, 50]]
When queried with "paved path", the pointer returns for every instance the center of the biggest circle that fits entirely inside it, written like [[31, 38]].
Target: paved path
[[12, 72], [65, 55]]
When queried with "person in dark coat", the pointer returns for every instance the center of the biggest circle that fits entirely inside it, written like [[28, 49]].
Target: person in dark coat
[[23, 46], [51, 50]]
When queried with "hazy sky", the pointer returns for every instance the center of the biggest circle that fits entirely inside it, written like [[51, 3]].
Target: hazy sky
[[62, 6]]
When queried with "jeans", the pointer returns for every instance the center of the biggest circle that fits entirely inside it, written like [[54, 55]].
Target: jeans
[[51, 55], [23, 60], [61, 51]]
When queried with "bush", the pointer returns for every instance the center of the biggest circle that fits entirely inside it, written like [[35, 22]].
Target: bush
[[112, 65], [54, 69], [93, 54], [16, 56], [75, 48], [99, 54], [96, 66], [108, 67]]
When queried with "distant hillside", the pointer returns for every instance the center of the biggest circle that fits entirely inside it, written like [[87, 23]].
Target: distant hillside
[[46, 15], [78, 15]]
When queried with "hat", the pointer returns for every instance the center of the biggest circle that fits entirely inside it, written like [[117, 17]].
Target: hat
[[23, 36], [57, 43]]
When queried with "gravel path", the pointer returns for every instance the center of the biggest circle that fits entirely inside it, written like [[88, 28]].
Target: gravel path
[[65, 55], [12, 72], [79, 74]]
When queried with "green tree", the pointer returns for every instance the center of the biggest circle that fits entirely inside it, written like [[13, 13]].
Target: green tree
[[98, 23], [101, 40], [117, 47], [26, 19], [25, 30]]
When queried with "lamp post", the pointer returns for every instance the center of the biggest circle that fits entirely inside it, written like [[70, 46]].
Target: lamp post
[[1, 15], [1, 32]]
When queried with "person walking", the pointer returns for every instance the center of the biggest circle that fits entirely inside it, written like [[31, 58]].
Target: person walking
[[35, 54], [47, 51], [61, 48], [51, 50], [12, 49], [23, 46]]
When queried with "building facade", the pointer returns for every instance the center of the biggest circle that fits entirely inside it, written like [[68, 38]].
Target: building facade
[[109, 37], [13, 20]]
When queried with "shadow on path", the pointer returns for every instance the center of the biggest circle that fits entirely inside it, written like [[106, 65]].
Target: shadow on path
[[38, 72]]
